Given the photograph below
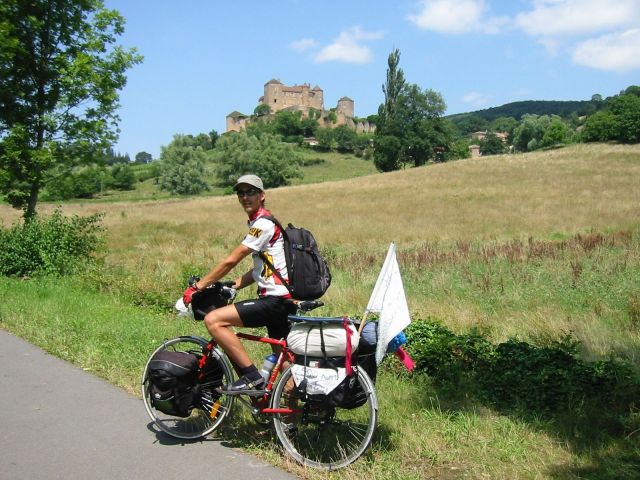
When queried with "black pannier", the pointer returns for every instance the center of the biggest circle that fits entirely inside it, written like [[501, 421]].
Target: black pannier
[[173, 384]]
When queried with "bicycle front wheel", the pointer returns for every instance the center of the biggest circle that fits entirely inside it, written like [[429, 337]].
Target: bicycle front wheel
[[320, 435], [210, 409]]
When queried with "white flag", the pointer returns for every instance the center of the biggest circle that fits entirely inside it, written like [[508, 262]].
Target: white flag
[[388, 299]]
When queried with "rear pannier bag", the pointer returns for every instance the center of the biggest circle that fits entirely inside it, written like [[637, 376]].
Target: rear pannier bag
[[173, 385], [308, 339]]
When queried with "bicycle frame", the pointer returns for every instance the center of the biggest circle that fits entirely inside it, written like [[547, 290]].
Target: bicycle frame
[[284, 356]]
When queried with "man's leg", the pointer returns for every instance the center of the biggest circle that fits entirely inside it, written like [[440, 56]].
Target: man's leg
[[218, 323]]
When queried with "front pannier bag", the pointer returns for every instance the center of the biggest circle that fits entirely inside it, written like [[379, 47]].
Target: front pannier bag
[[173, 383]]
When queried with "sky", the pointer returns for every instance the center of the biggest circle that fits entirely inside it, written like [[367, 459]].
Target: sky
[[204, 59]]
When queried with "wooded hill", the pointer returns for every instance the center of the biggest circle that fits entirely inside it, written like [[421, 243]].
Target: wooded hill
[[536, 107]]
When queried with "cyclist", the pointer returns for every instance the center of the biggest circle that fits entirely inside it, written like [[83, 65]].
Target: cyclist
[[271, 307]]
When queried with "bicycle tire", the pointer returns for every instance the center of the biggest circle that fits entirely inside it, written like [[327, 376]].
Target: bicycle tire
[[200, 422], [331, 437]]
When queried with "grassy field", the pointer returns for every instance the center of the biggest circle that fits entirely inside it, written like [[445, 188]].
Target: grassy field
[[524, 246]]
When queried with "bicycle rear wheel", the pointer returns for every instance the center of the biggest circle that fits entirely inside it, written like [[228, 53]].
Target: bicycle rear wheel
[[210, 409], [322, 436]]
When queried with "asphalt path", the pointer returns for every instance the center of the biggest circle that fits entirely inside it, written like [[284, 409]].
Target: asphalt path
[[60, 422]]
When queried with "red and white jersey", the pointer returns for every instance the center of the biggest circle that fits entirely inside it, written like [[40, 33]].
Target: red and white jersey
[[265, 236]]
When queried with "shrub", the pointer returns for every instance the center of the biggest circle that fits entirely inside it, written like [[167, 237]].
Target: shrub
[[56, 245], [520, 376]]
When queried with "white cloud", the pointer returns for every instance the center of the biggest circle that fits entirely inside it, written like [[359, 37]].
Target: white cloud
[[348, 47], [578, 17], [476, 99], [303, 44], [456, 17], [618, 52]]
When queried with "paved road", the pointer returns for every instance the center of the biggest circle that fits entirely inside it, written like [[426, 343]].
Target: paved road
[[60, 422]]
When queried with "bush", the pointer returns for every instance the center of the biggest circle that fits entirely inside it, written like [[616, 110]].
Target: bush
[[56, 245], [517, 375]]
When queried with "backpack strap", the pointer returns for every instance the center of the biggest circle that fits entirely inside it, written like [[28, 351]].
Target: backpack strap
[[286, 254]]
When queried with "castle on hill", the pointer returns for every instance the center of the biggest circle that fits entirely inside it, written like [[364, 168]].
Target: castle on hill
[[305, 99]]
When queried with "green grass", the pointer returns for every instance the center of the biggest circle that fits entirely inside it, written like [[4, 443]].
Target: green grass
[[333, 166]]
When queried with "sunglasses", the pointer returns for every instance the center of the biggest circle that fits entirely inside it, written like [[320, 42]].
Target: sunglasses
[[249, 193]]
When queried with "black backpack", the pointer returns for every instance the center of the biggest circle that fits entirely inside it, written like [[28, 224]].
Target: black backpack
[[309, 275]]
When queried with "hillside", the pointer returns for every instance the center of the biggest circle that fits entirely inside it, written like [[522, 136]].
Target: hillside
[[537, 107]]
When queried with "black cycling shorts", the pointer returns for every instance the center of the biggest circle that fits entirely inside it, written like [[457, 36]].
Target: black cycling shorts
[[269, 311]]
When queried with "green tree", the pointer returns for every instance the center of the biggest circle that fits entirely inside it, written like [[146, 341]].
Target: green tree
[[414, 118], [182, 168], [143, 157], [469, 124], [556, 133], [289, 125], [60, 74], [491, 144], [81, 182], [345, 138], [528, 135], [459, 149], [504, 124], [325, 139], [422, 130], [213, 136], [266, 156], [387, 146], [626, 110], [262, 110], [122, 177], [599, 127]]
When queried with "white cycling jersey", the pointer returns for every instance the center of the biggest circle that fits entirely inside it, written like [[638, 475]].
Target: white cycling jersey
[[265, 236]]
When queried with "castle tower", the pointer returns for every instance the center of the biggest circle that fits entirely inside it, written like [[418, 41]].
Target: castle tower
[[317, 98], [345, 107], [272, 94]]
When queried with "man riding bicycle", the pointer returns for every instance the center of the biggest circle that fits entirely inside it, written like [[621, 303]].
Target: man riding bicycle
[[271, 307]]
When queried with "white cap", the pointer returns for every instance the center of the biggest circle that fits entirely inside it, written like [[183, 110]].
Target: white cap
[[253, 180]]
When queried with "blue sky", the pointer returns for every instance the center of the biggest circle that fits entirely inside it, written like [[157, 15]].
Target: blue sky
[[205, 59]]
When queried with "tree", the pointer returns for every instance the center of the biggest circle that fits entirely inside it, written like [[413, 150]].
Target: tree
[[123, 177], [325, 139], [491, 144], [262, 110], [469, 124], [556, 133], [414, 118], [143, 157], [60, 74], [504, 124], [386, 150], [626, 109], [421, 128], [182, 168], [266, 156]]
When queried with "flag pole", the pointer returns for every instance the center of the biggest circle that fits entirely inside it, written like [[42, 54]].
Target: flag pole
[[363, 321]]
